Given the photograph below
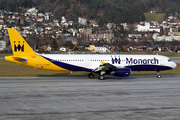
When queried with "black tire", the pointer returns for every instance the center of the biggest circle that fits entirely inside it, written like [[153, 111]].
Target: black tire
[[158, 76], [101, 77], [90, 75]]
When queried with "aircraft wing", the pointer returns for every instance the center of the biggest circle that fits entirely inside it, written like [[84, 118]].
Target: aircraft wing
[[104, 68], [107, 68]]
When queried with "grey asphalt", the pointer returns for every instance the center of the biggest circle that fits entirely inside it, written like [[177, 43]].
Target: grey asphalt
[[143, 97]]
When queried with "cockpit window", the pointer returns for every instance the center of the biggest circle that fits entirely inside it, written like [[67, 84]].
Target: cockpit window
[[169, 60]]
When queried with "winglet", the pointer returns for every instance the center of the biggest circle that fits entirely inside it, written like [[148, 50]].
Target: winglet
[[102, 63]]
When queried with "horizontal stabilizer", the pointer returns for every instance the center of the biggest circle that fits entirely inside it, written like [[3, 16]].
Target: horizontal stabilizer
[[20, 59]]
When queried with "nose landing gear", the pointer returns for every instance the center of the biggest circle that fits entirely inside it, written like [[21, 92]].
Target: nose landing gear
[[158, 74], [91, 75]]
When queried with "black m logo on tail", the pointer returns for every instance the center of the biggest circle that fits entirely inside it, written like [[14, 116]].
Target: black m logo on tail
[[19, 48]]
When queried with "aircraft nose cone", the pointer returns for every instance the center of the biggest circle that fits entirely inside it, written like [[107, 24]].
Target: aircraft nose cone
[[174, 65]]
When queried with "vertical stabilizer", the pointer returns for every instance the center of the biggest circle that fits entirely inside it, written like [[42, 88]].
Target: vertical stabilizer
[[18, 44]]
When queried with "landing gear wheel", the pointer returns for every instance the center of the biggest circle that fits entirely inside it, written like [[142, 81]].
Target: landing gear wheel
[[101, 77], [158, 76], [90, 75]]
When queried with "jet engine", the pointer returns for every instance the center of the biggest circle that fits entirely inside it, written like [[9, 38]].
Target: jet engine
[[122, 72]]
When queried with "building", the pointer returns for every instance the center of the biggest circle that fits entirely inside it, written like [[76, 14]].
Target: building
[[2, 45], [82, 21], [110, 25], [148, 27], [90, 48], [31, 11], [77, 48], [64, 21], [99, 49], [72, 40], [113, 48], [169, 38], [104, 36], [135, 35]]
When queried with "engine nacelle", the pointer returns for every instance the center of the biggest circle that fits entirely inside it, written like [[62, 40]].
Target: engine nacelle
[[122, 72]]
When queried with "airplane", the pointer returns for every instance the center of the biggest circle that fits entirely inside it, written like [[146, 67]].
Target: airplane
[[112, 64]]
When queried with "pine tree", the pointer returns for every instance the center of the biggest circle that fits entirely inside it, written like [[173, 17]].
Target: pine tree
[[101, 22], [54, 45]]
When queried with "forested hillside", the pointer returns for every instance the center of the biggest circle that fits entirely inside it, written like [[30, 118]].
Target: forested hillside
[[110, 10]]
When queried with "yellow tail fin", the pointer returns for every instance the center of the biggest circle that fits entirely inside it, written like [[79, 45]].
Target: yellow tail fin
[[18, 44]]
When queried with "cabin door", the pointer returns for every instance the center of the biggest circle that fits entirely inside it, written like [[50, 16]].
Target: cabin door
[[161, 61]]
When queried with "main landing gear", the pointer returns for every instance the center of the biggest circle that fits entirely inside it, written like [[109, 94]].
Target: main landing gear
[[100, 77], [158, 74]]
